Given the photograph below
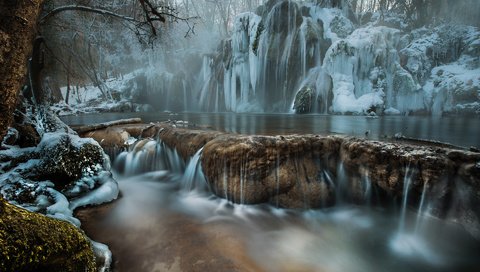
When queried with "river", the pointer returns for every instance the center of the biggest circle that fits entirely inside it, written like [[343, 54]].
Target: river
[[161, 225], [460, 131]]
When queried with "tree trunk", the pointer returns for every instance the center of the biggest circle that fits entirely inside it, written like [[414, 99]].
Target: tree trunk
[[18, 19]]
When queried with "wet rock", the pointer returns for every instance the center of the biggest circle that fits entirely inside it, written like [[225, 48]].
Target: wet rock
[[11, 137], [123, 106], [305, 171], [304, 100], [113, 140], [34, 242], [283, 170], [186, 141], [388, 164], [295, 169]]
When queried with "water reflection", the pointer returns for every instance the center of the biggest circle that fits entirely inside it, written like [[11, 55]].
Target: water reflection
[[462, 131]]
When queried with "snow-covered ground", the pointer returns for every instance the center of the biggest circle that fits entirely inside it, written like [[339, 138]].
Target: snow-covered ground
[[90, 99], [27, 178], [21, 187]]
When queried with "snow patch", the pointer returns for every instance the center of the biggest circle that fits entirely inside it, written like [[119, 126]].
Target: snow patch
[[107, 192]]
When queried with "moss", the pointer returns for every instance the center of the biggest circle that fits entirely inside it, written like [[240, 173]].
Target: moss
[[33, 242]]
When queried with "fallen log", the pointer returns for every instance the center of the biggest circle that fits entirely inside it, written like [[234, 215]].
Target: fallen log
[[88, 128]]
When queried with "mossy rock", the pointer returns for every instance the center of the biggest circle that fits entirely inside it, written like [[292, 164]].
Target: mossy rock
[[34, 242]]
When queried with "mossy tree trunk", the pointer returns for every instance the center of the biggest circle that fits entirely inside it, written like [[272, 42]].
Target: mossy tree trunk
[[18, 20]]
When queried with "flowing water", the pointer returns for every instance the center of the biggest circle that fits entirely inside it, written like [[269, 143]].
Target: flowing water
[[167, 220]]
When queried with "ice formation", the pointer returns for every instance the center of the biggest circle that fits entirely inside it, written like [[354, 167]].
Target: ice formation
[[309, 56]]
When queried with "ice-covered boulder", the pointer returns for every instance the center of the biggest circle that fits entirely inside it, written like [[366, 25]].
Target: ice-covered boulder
[[341, 26], [62, 168], [65, 158], [455, 89], [351, 63], [452, 87]]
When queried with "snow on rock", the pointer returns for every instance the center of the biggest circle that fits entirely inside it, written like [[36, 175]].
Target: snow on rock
[[103, 256], [392, 111], [62, 173], [351, 62], [455, 88], [106, 192], [341, 26], [67, 157], [80, 173], [90, 99], [60, 208]]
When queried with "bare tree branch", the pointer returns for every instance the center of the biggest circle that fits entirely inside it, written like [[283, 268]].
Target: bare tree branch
[[101, 11], [151, 12]]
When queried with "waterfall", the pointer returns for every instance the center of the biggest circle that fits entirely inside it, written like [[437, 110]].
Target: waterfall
[[277, 178], [411, 243], [342, 184], [420, 212], [149, 155], [271, 57], [263, 63], [225, 180], [368, 189], [193, 177], [406, 187]]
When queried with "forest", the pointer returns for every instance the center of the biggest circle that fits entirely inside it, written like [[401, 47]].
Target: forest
[[248, 135]]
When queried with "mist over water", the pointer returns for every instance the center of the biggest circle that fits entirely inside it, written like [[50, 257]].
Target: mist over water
[[286, 57], [167, 218], [178, 216], [454, 130]]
